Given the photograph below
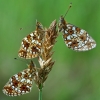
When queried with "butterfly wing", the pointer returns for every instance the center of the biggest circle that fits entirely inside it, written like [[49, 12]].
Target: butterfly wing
[[75, 38], [31, 44], [20, 83]]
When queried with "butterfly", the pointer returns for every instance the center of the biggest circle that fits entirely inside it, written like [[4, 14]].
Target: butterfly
[[31, 44], [75, 38], [20, 83]]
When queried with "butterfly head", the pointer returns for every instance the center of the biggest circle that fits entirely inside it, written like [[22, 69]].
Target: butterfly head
[[62, 24], [39, 26]]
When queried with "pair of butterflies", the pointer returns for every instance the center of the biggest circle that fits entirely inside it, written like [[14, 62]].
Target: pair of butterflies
[[75, 38]]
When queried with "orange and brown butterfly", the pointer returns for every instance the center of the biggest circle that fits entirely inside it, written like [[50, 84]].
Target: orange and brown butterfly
[[75, 38], [31, 44], [20, 83]]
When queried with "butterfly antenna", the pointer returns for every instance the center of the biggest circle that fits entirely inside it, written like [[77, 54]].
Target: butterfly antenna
[[68, 9]]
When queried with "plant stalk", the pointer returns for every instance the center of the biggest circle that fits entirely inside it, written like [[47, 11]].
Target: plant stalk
[[40, 93]]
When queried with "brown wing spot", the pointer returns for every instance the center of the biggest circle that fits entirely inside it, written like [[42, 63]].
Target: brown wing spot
[[15, 83], [83, 37], [24, 88], [29, 36], [34, 49], [78, 29], [8, 89], [34, 37], [74, 43], [13, 78], [26, 44], [70, 31], [19, 74], [26, 76], [88, 44]]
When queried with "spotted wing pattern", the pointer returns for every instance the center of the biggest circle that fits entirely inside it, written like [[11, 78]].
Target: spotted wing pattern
[[20, 83], [76, 38], [31, 44]]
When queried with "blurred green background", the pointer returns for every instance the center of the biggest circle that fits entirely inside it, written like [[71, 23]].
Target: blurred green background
[[75, 75]]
